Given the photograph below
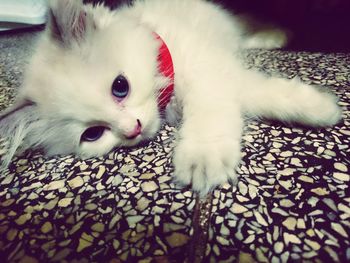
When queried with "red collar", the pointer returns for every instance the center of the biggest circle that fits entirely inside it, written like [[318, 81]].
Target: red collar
[[166, 68]]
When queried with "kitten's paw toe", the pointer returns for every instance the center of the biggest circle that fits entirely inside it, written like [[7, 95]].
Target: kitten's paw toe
[[321, 108], [332, 112], [181, 177], [206, 165]]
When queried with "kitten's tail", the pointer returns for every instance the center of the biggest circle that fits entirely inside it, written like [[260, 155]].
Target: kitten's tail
[[289, 101]]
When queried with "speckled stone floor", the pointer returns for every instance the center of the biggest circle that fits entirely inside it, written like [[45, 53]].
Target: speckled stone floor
[[292, 203]]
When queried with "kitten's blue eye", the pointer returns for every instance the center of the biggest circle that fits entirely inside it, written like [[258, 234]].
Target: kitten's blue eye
[[120, 87], [93, 133]]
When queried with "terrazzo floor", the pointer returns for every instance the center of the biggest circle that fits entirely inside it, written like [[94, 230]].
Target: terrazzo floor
[[292, 202]]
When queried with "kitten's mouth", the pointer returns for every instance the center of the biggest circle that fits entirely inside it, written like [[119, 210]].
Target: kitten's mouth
[[136, 132], [132, 137]]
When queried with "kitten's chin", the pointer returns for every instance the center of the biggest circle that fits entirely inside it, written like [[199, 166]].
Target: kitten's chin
[[132, 142], [137, 141]]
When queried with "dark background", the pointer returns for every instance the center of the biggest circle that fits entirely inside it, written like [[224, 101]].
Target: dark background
[[316, 24], [322, 25]]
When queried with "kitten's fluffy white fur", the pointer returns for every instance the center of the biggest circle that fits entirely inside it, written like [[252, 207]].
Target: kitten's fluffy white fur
[[67, 87]]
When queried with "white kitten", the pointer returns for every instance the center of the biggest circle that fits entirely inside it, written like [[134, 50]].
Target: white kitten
[[94, 83]]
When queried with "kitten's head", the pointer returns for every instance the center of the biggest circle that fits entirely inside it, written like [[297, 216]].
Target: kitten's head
[[92, 84]]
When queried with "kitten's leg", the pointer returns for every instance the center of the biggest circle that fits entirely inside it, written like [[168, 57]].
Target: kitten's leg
[[289, 101], [258, 34], [208, 148], [267, 39]]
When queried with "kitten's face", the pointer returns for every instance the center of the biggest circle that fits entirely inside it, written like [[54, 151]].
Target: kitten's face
[[96, 93]]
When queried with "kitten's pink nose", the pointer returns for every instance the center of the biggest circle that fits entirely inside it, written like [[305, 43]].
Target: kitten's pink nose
[[137, 130]]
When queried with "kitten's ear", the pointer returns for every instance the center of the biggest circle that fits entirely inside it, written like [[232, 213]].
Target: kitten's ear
[[14, 126], [69, 22]]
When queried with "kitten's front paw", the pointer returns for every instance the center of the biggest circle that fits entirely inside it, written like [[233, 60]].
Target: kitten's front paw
[[206, 164]]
